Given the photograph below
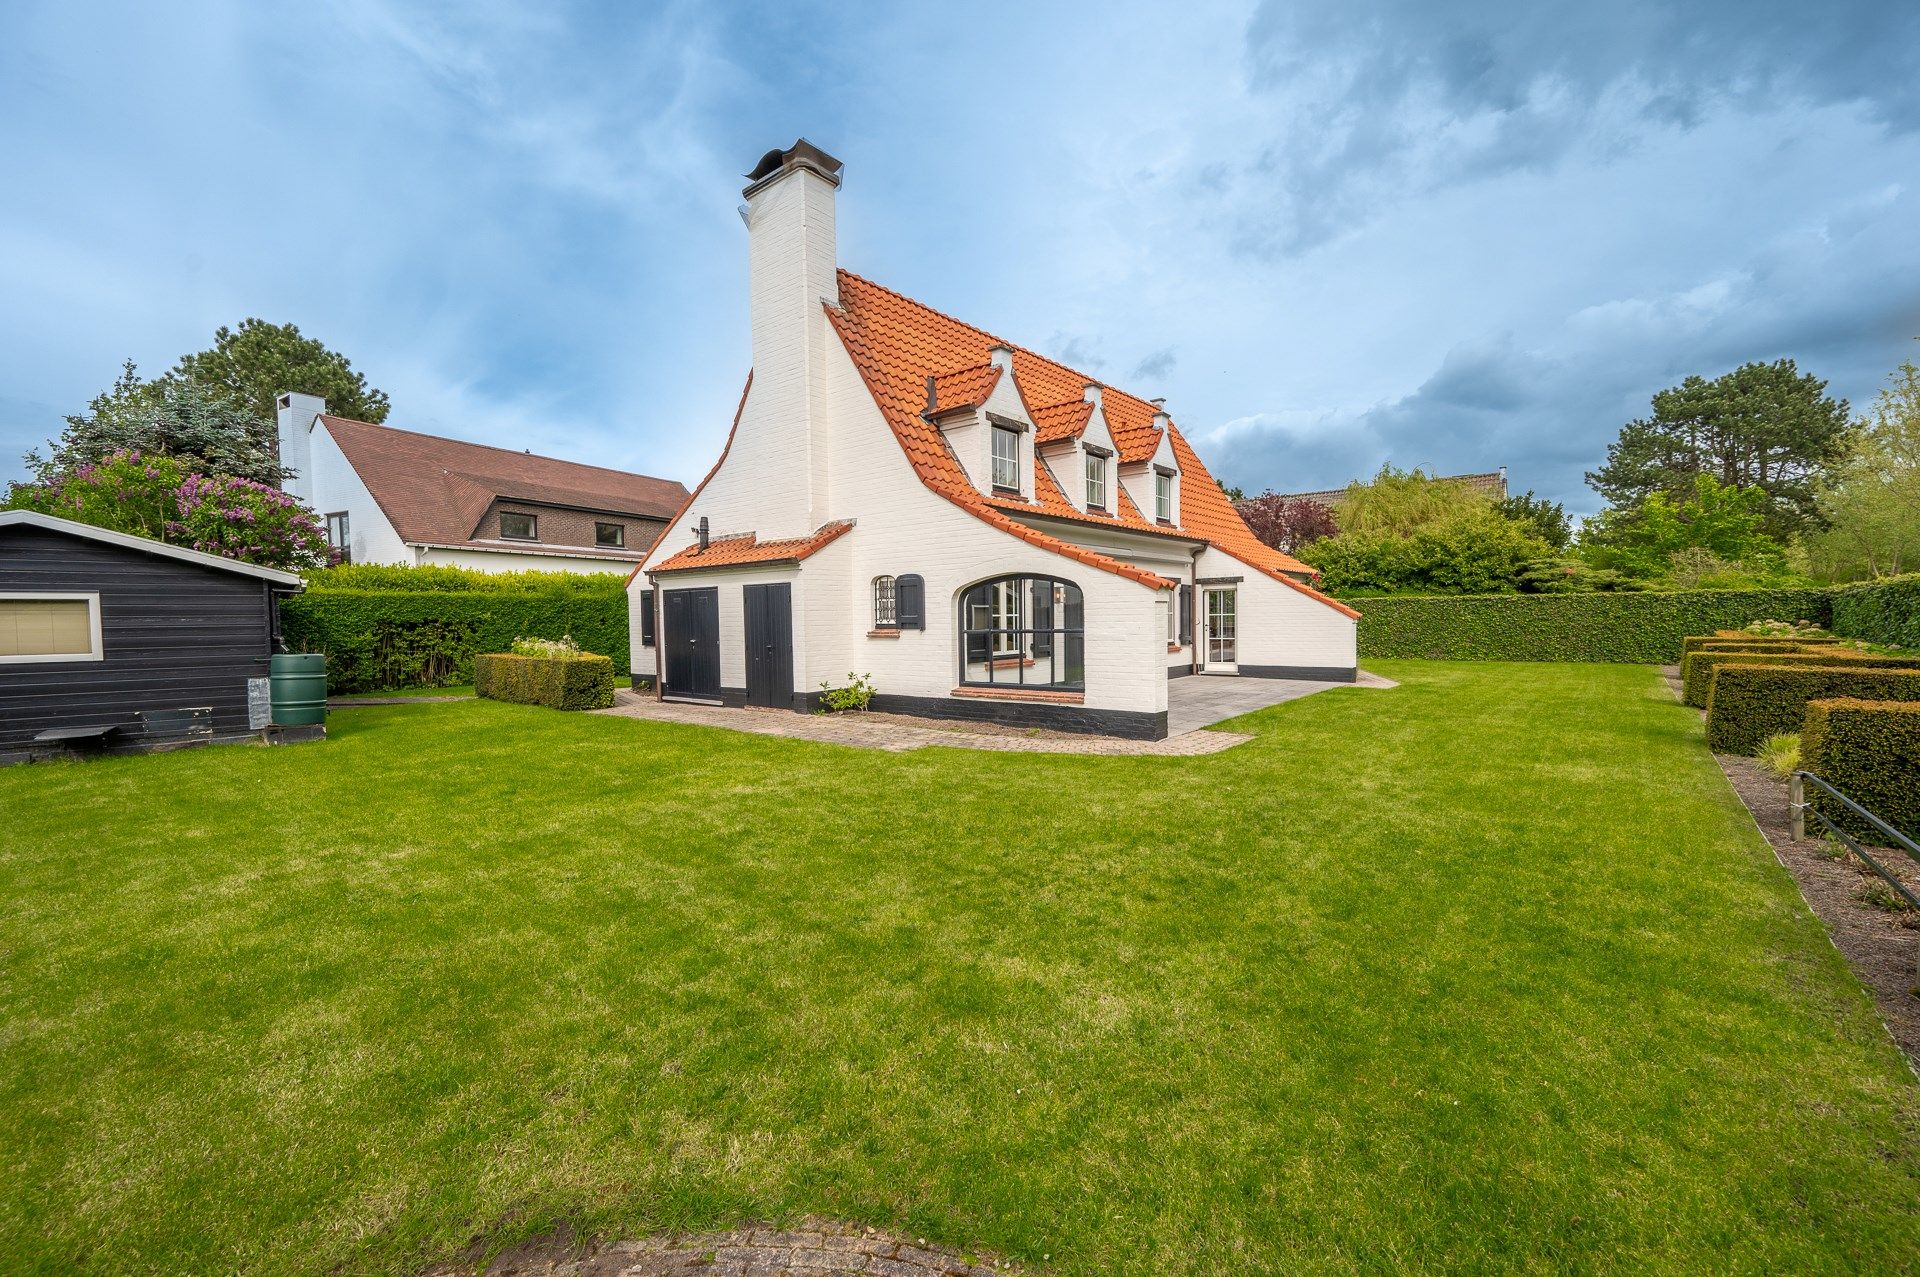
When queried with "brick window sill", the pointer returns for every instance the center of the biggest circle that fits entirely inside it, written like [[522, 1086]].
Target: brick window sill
[[1021, 694], [1173, 647], [890, 634]]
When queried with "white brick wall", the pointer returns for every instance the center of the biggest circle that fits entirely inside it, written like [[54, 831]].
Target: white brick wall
[[334, 486]]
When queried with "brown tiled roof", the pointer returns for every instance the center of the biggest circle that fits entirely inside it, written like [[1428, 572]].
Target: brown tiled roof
[[435, 491], [735, 551], [897, 343]]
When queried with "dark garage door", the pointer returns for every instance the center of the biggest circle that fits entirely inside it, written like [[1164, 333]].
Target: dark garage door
[[691, 621]]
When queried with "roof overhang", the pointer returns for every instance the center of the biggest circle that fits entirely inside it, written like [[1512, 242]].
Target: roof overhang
[[147, 545]]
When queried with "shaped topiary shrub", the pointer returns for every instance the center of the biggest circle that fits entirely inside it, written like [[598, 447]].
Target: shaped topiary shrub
[[1752, 702], [558, 682], [1869, 751], [1696, 671]]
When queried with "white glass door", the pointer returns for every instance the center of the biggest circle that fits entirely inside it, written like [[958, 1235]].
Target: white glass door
[[1222, 651]]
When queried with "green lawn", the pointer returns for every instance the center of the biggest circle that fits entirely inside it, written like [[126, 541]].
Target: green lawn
[[1486, 973]]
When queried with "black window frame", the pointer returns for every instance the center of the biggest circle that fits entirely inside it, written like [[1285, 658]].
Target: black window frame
[[1047, 638], [343, 543], [619, 541], [533, 525]]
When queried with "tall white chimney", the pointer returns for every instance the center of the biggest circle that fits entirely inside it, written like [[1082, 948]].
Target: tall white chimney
[[791, 264], [294, 414]]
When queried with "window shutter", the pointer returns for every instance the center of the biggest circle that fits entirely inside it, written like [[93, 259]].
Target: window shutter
[[646, 618], [910, 602], [1186, 616]]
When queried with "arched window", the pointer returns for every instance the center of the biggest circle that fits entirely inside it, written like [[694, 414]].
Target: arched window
[[886, 615], [1023, 631]]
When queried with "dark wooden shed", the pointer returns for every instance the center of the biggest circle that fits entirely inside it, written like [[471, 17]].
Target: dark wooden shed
[[119, 642]]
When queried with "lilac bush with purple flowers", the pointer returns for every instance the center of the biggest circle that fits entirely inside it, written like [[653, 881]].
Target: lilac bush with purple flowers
[[156, 496]]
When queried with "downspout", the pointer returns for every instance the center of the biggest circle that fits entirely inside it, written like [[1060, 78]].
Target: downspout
[[659, 643], [1193, 611]]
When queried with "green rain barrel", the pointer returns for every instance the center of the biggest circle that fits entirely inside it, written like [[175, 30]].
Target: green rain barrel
[[299, 681]]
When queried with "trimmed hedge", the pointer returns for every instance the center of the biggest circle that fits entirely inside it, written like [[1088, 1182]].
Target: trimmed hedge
[[1880, 612], [424, 638], [1729, 641], [1643, 629], [1869, 751], [1696, 671], [558, 682], [1752, 702]]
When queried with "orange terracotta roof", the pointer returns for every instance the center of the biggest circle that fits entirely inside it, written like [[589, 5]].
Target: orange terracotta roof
[[967, 388], [436, 491], [883, 333], [726, 552], [897, 343], [1062, 420]]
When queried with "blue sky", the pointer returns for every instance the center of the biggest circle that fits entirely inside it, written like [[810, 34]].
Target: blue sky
[[1454, 235]]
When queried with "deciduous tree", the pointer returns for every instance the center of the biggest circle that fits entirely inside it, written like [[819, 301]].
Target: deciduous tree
[[1289, 524], [1871, 500]]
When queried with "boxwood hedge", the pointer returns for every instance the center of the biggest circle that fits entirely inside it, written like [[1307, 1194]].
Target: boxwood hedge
[[1881, 611], [1729, 640], [1643, 629], [423, 638], [1869, 751], [1752, 702], [1696, 671], [558, 682]]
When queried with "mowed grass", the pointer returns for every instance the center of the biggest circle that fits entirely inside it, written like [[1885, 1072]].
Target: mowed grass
[[1487, 973]]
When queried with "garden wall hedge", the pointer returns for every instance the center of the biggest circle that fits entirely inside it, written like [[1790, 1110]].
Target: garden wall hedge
[[1880, 611], [1696, 668], [558, 682], [1643, 629], [384, 638], [1869, 751], [1752, 702]]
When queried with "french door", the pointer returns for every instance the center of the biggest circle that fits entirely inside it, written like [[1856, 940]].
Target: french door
[[1221, 655]]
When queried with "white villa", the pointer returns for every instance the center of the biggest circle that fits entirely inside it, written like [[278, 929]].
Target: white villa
[[984, 532]]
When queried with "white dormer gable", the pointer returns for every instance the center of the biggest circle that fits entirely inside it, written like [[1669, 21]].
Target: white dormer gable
[[1095, 449], [1154, 481], [991, 433]]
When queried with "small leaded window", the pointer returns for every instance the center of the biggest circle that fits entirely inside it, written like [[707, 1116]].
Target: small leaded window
[[1006, 457], [515, 526], [1096, 482], [886, 614]]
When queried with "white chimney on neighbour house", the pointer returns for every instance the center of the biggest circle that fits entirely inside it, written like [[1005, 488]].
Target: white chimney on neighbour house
[[294, 414], [792, 259]]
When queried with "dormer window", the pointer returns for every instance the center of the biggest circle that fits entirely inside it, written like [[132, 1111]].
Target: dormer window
[[1163, 495], [1006, 458], [1096, 480]]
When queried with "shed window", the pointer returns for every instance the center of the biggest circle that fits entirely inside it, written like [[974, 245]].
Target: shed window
[[611, 535], [1096, 482], [49, 627], [646, 618], [1023, 631], [1006, 458], [515, 526], [886, 615]]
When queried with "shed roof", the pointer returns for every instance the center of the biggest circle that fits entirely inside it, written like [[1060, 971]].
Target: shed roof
[[146, 545]]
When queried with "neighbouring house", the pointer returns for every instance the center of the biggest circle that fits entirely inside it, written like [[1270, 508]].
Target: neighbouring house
[[1493, 483], [987, 533], [394, 496], [124, 643]]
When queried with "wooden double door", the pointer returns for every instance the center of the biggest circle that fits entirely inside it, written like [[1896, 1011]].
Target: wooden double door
[[690, 636]]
